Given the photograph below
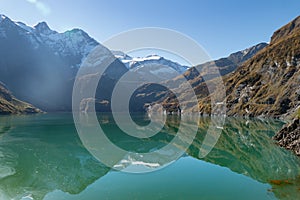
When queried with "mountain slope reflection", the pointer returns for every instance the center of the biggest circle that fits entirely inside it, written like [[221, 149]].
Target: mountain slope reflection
[[43, 153], [242, 145]]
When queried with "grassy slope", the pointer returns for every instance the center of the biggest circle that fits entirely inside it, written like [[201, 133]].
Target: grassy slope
[[268, 84]]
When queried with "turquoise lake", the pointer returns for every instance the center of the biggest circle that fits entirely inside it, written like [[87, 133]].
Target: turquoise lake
[[43, 157]]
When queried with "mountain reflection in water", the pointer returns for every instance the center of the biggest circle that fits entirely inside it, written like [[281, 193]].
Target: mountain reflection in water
[[42, 157]]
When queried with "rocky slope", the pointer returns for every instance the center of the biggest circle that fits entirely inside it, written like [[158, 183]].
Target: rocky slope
[[11, 105], [289, 136], [265, 85], [268, 84]]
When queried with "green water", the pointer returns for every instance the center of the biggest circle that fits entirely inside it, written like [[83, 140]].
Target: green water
[[42, 157]]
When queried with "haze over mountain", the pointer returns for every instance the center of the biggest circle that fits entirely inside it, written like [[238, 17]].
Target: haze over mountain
[[39, 65]]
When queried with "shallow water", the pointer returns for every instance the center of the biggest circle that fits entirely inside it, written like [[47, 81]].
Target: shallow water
[[42, 157]]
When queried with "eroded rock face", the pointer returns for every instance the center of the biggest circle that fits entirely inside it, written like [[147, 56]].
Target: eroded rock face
[[289, 136]]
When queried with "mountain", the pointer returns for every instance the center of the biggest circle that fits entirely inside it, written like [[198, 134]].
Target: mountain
[[156, 93], [39, 65], [267, 84], [74, 43], [225, 65], [10, 105], [151, 65]]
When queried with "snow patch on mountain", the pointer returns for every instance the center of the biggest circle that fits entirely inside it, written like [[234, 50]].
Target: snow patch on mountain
[[23, 26], [247, 53], [124, 58], [152, 67], [2, 17], [155, 63]]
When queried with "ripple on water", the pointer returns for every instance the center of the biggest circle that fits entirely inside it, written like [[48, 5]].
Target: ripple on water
[[7, 163], [6, 171]]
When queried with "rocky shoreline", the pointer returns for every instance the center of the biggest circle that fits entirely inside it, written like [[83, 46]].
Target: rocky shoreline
[[289, 136]]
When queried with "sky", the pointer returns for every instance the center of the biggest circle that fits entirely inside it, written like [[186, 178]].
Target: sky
[[221, 27]]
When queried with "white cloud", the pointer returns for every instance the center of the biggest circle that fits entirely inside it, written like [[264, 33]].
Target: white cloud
[[41, 7]]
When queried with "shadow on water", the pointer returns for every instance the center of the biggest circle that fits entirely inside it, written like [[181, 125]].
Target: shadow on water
[[43, 153]]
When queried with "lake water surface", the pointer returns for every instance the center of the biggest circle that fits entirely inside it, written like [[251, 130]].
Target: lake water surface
[[42, 157]]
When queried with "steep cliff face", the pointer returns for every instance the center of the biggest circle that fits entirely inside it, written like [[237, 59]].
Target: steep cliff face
[[289, 136], [11, 105]]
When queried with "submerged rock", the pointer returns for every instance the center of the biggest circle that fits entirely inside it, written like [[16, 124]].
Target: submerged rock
[[289, 136]]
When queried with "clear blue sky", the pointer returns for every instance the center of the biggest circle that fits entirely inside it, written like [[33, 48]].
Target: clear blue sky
[[220, 26]]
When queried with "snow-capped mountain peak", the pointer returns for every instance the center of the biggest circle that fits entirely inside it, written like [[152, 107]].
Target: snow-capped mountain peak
[[133, 62], [75, 43], [151, 64], [149, 57], [52, 60]]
